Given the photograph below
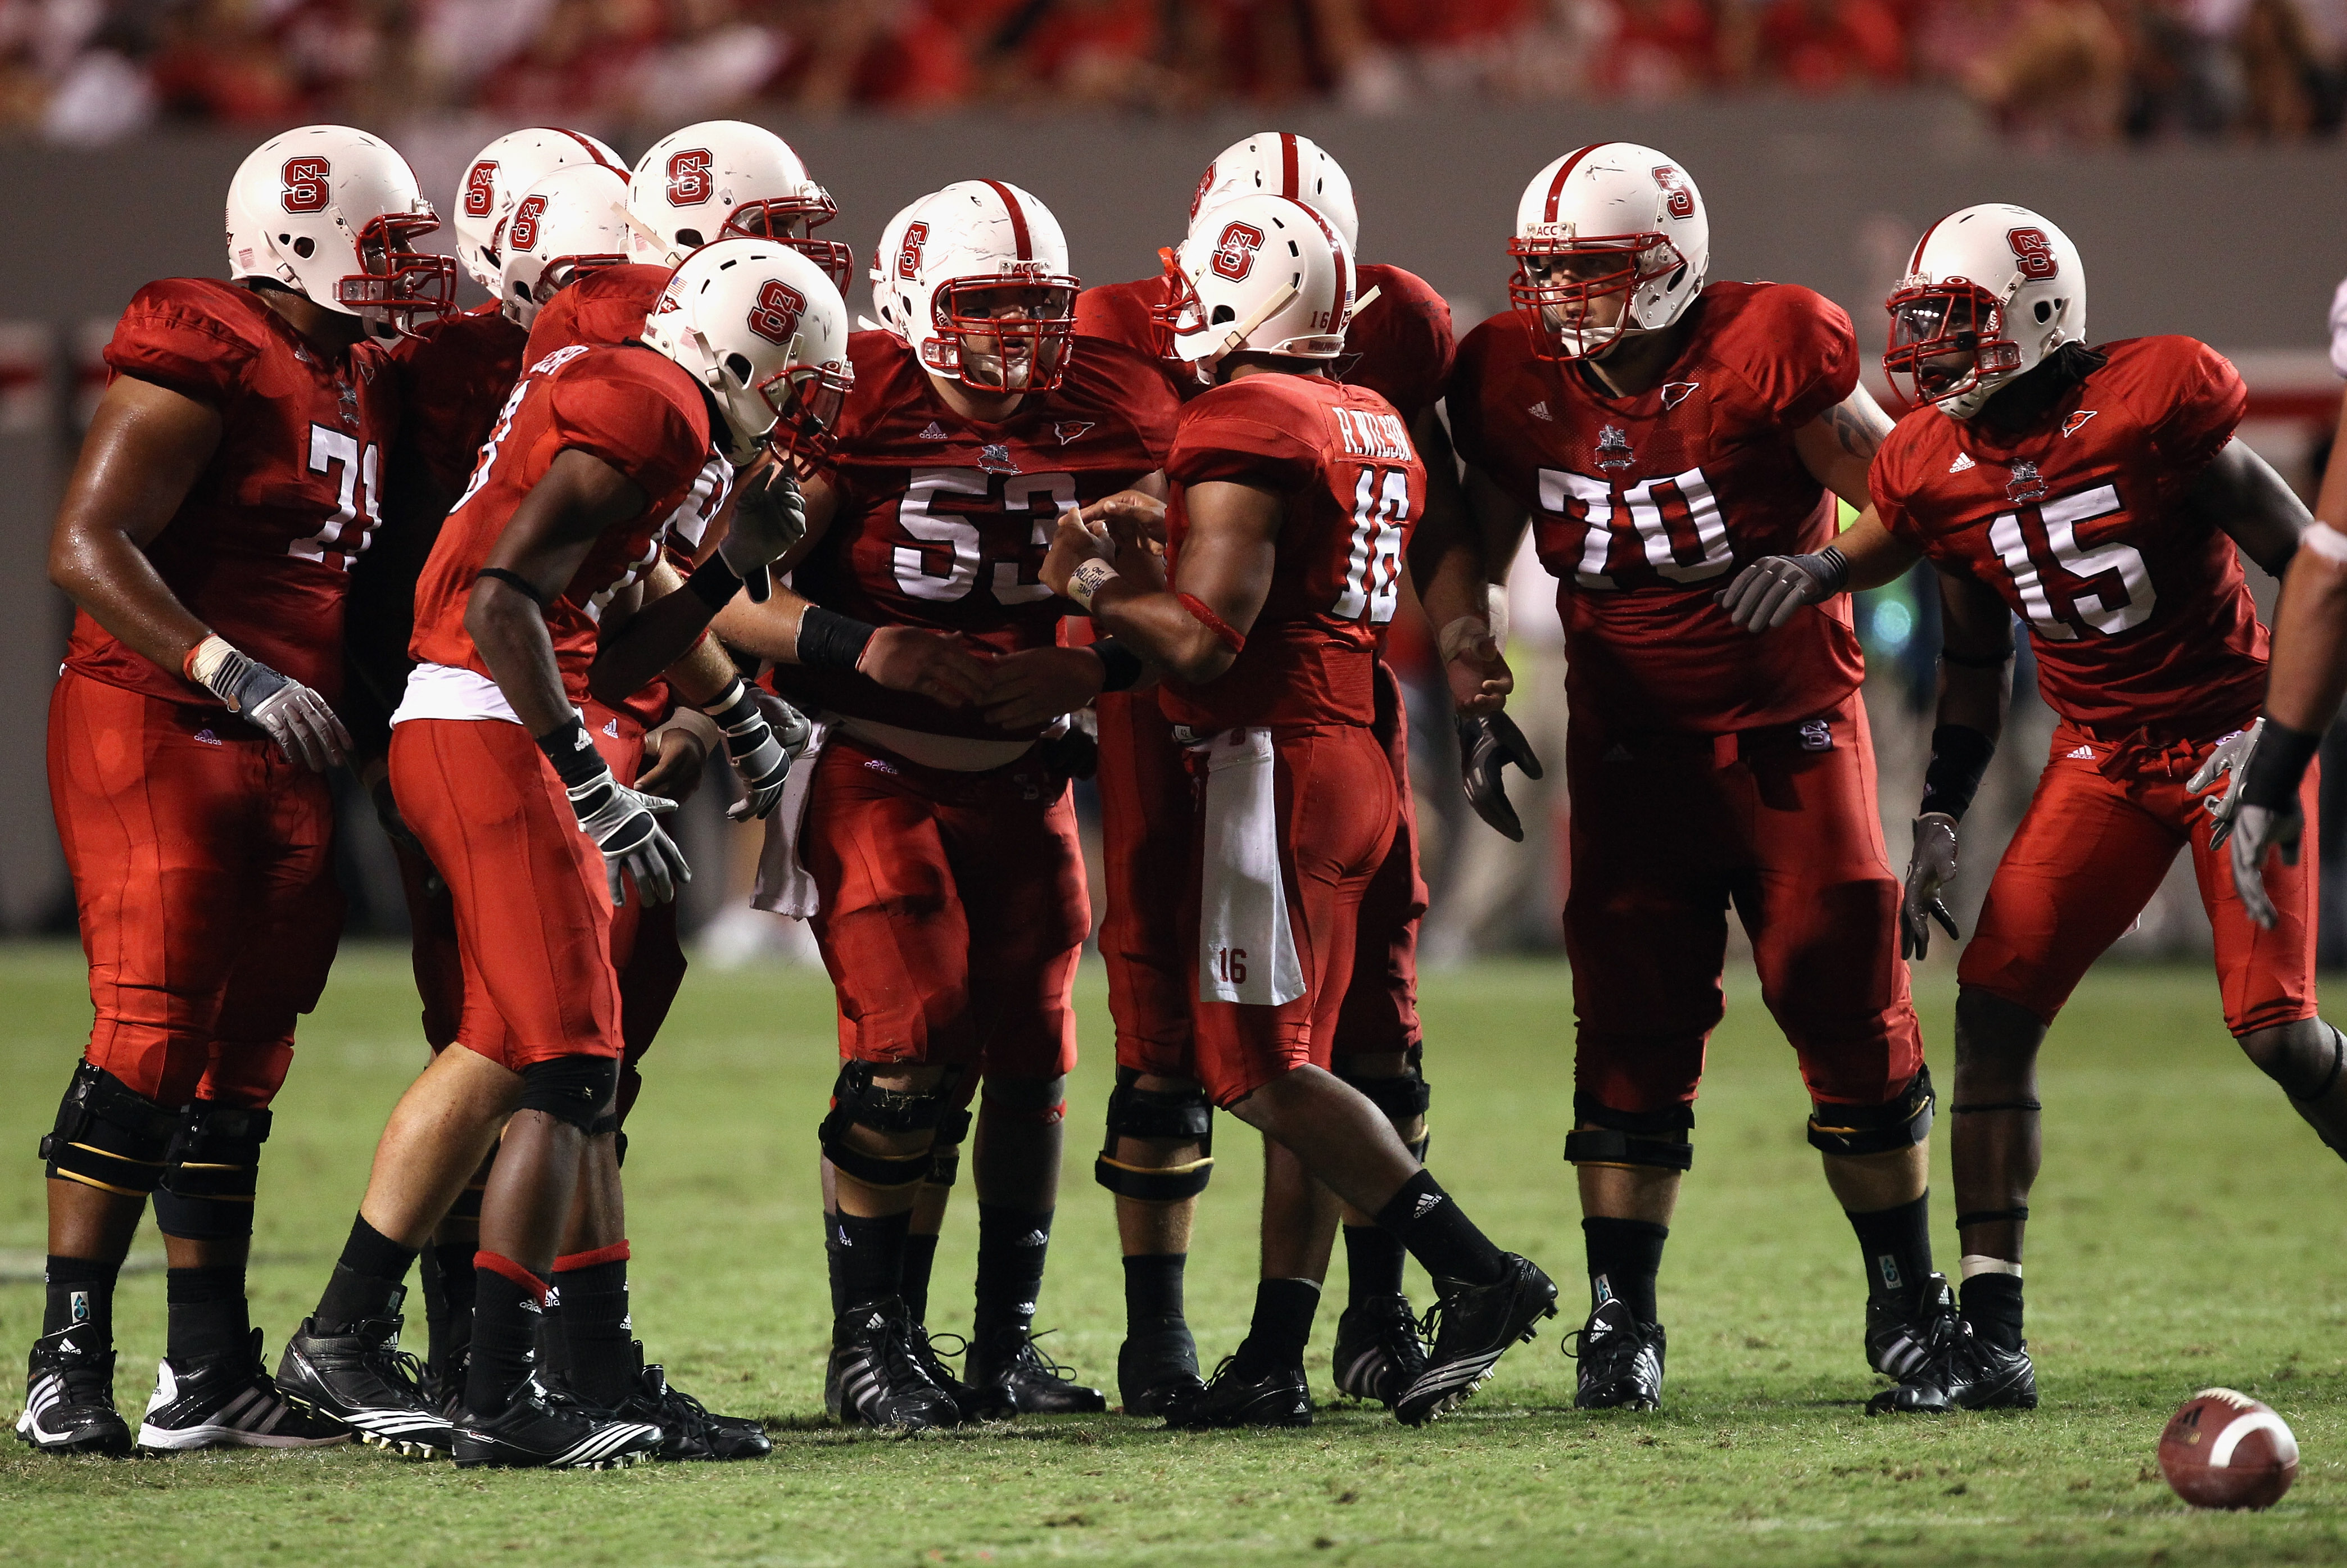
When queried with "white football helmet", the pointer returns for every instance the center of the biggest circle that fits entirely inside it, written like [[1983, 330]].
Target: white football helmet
[[497, 176], [724, 179], [976, 248], [1281, 163], [1989, 292], [1612, 218], [1265, 274], [883, 260], [332, 213], [763, 329], [567, 224]]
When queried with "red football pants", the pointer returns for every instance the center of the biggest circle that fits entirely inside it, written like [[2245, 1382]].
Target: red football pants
[[645, 946], [1338, 819], [952, 910], [2099, 836], [1668, 831], [203, 876], [533, 911], [1147, 806]]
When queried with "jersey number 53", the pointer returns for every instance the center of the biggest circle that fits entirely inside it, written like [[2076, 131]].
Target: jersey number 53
[[969, 524]]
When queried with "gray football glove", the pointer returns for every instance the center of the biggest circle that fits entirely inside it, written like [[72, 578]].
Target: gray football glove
[[769, 520], [1765, 594], [2258, 829], [295, 717], [2229, 762], [625, 825]]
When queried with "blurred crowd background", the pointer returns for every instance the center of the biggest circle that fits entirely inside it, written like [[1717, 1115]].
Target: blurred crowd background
[[2051, 71]]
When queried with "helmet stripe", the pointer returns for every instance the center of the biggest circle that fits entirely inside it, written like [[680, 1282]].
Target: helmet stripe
[[1291, 179], [593, 152], [1556, 186], [1915, 263], [1017, 218]]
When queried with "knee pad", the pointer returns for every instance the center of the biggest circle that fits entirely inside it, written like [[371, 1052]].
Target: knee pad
[[211, 1173], [857, 1102], [2304, 1058], [945, 1153], [1183, 1116], [109, 1135], [575, 1089], [1401, 1098], [1653, 1139], [1901, 1123]]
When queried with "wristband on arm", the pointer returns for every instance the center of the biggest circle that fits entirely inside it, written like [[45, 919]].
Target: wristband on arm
[[713, 582], [2277, 766], [829, 640], [1960, 759], [576, 761], [515, 580], [1122, 666]]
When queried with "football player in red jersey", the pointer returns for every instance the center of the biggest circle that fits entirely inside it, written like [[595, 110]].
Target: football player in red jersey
[[532, 580], [935, 847], [1658, 432], [230, 476], [2099, 494], [1292, 503], [1157, 1158]]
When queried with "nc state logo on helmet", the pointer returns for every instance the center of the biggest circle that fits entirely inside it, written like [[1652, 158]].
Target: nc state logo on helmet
[[1989, 292], [333, 214], [1281, 163], [726, 180], [1610, 239], [979, 287], [1262, 273], [567, 224], [881, 274], [495, 180], [762, 329]]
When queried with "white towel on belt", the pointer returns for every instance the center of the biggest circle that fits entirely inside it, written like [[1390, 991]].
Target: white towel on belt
[[1246, 953], [784, 885]]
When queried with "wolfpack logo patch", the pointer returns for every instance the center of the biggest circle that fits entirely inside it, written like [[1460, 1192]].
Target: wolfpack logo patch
[[1067, 430], [994, 458], [1613, 449], [2026, 484], [1678, 392], [1964, 461], [2070, 425]]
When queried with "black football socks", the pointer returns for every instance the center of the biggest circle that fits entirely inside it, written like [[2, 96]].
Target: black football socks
[[1281, 1328], [871, 1255], [1374, 1257], [1897, 1246], [588, 1319], [367, 1281], [1993, 1307], [448, 1290], [507, 1301], [1625, 1256], [920, 1262], [1429, 1224], [81, 1293], [208, 1314], [1013, 1243]]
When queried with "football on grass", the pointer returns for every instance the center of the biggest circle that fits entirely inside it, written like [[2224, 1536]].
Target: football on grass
[[2225, 1449]]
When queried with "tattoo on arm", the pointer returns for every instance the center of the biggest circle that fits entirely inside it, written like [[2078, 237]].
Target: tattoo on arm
[[1858, 425]]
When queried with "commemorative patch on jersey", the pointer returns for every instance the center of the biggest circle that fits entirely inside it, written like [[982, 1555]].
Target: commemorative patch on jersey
[[995, 457], [1613, 449], [2026, 484]]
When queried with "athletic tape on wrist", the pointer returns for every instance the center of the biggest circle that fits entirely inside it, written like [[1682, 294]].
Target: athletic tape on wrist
[[1088, 580], [2277, 766], [204, 660], [2326, 541], [572, 752], [1960, 759], [1460, 633]]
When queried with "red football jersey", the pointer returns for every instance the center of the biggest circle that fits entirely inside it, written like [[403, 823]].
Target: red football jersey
[[453, 382], [260, 550], [1645, 507], [944, 522], [607, 305], [1354, 488], [1399, 348], [628, 406], [2138, 611]]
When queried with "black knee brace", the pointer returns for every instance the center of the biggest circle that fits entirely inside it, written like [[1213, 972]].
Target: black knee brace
[[1182, 1116], [1655, 1139], [1399, 1098], [1901, 1123], [945, 1153], [109, 1135], [856, 1101], [214, 1163], [609, 1123], [573, 1089]]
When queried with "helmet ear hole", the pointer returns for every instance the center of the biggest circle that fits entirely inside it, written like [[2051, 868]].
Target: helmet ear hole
[[689, 238], [1223, 314], [2045, 311], [741, 367], [305, 247], [1676, 277]]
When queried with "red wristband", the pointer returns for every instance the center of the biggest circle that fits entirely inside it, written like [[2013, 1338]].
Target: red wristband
[[1229, 637]]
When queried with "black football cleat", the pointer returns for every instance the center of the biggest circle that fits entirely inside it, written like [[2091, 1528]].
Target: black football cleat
[[1379, 1353], [875, 1378], [1963, 1372], [536, 1430], [228, 1401], [1009, 1365], [1281, 1397], [1621, 1361], [689, 1428], [361, 1378], [69, 1398], [1900, 1330], [974, 1403], [1157, 1369], [1470, 1328]]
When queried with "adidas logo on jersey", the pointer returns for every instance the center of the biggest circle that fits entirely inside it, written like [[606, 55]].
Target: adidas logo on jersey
[[1618, 753], [611, 726], [1539, 411], [205, 737], [1964, 461], [936, 432], [2083, 754]]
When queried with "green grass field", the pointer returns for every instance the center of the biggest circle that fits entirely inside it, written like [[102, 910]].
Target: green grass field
[[2187, 1233]]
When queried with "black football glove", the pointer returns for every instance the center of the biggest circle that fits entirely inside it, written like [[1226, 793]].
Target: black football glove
[[1488, 743], [1930, 869]]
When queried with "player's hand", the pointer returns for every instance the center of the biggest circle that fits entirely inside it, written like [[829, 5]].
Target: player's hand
[[1488, 743], [1763, 595], [1073, 542], [295, 717], [1036, 685], [1132, 517], [933, 664], [625, 825], [770, 519], [2258, 830], [2229, 762], [675, 759], [1475, 664], [1930, 867], [760, 751]]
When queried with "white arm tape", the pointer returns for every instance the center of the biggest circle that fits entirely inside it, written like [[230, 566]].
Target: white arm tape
[[2326, 541]]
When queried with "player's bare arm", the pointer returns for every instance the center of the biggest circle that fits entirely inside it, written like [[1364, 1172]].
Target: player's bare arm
[[1226, 566], [2241, 493], [1458, 560], [1838, 447], [1975, 690]]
